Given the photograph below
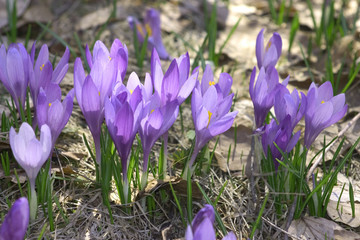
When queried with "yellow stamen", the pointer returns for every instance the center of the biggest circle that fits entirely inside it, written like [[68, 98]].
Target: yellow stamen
[[268, 46], [109, 58], [148, 29], [152, 111], [99, 93], [322, 101], [140, 29], [41, 67], [49, 104], [131, 91], [210, 114], [211, 83]]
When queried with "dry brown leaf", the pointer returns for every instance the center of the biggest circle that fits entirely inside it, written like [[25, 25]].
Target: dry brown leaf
[[344, 214], [239, 151], [320, 228]]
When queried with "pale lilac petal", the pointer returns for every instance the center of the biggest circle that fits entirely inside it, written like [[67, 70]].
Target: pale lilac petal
[[207, 79], [62, 67], [187, 88]]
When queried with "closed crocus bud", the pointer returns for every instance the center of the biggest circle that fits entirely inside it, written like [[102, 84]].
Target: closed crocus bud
[[323, 110], [16, 221], [150, 27], [16, 71], [123, 113], [31, 154], [264, 91], [92, 90], [269, 55], [202, 227]]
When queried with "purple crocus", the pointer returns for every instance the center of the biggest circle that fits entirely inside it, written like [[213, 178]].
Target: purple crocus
[[210, 105], [151, 27], [92, 90], [176, 84], [16, 221], [16, 71], [118, 52], [323, 109], [202, 227], [31, 154], [163, 93], [281, 134], [264, 91], [44, 73], [51, 111], [268, 56], [289, 104], [123, 114]]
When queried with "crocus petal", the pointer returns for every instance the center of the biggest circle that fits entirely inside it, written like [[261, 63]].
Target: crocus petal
[[61, 68], [88, 56], [170, 86], [16, 77], [225, 82], [210, 99], [325, 92], [90, 100], [207, 79], [79, 78], [41, 108], [16, 221], [223, 124], [205, 231], [156, 72], [187, 88], [184, 68], [260, 48]]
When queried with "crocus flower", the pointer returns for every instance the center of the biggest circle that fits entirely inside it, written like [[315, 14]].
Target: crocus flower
[[210, 105], [118, 52], [51, 111], [156, 121], [44, 73], [323, 109], [31, 154], [264, 91], [176, 84], [202, 227], [16, 221], [92, 90], [289, 104], [151, 27], [268, 56], [281, 134], [123, 114], [16, 72]]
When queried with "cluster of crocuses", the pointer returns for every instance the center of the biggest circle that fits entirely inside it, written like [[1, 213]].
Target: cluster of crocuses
[[149, 109], [18, 71], [320, 107]]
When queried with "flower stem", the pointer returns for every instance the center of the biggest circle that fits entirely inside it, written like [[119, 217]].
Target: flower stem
[[33, 200]]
